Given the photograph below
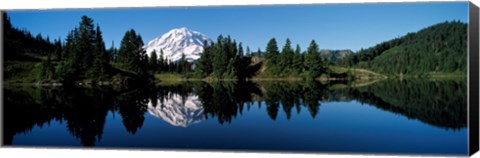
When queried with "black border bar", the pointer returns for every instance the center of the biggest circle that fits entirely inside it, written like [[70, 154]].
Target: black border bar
[[473, 111]]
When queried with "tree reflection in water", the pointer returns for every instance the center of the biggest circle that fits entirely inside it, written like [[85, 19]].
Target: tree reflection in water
[[439, 103]]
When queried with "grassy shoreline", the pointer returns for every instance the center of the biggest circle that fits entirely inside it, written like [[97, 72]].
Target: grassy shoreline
[[180, 78], [349, 74], [170, 77]]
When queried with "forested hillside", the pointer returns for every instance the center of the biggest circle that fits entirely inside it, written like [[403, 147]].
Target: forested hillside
[[82, 57], [438, 48], [21, 43], [23, 52]]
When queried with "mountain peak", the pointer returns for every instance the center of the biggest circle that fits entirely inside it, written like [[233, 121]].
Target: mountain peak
[[182, 29], [177, 42]]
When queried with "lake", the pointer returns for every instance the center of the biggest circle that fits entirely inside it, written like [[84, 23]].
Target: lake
[[392, 116]]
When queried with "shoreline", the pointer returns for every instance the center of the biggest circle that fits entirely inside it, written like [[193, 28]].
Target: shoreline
[[89, 83]]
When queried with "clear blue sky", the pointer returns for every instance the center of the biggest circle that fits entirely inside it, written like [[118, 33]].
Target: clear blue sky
[[333, 26]]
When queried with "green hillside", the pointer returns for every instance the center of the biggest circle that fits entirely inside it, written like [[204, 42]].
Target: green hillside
[[441, 48], [82, 59]]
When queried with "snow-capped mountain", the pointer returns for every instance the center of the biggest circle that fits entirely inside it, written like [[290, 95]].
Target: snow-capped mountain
[[178, 41], [177, 112]]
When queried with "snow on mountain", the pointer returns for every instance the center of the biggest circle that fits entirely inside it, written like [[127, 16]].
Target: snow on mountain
[[178, 41], [178, 112]]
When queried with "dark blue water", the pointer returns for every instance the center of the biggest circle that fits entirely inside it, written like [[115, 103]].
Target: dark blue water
[[411, 117]]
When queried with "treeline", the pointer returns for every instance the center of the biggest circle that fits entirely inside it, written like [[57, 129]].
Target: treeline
[[223, 59], [19, 42], [226, 59], [293, 62], [438, 48], [87, 57], [159, 64], [82, 56]]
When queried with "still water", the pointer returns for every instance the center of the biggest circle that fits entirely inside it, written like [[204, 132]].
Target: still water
[[410, 117]]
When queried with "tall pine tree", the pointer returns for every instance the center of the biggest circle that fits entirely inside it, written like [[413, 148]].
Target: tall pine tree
[[84, 52], [297, 61], [153, 62], [204, 63], [286, 57], [220, 57], [313, 61], [131, 55], [101, 59], [271, 54]]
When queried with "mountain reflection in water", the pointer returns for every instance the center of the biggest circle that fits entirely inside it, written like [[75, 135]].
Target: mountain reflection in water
[[89, 114], [178, 110]]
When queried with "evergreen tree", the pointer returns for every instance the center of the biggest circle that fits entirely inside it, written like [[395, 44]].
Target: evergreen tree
[[112, 53], [8, 35], [204, 63], [101, 59], [220, 58], [297, 61], [69, 69], [313, 60], [184, 65], [7, 25], [271, 54], [131, 54], [47, 70], [178, 65], [239, 63], [85, 43], [223, 59], [143, 62], [58, 49], [240, 50], [84, 52], [286, 57], [162, 63], [259, 52], [231, 50], [153, 63]]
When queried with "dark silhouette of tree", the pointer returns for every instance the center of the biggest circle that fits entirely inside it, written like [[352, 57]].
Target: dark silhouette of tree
[[285, 61], [85, 53], [132, 107], [271, 55], [153, 62], [204, 63], [297, 61], [131, 55], [313, 61], [101, 58]]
